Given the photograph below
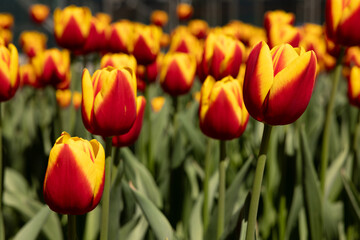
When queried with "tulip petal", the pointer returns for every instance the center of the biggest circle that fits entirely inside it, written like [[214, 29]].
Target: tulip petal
[[282, 56], [291, 91], [87, 98], [258, 79]]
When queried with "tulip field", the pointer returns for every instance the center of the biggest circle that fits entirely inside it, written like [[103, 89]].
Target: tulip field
[[126, 130]]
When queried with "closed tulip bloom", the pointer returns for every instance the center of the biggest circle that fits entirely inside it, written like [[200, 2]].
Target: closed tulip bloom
[[39, 12], [109, 101], [283, 33], [6, 20], [6, 36], [157, 103], [183, 41], [72, 26], [222, 56], [118, 60], [103, 17], [52, 67], [119, 36], [32, 42], [222, 112], [129, 138], [278, 84], [342, 17], [159, 18], [145, 45], [76, 99], [153, 69], [199, 28], [352, 56], [63, 97], [177, 73], [75, 175], [278, 17], [27, 75], [96, 40], [9, 72], [184, 11], [354, 86]]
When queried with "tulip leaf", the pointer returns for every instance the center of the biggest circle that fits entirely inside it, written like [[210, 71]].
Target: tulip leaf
[[352, 193], [157, 221], [92, 224], [311, 189], [195, 223], [141, 177], [116, 203], [135, 229], [296, 205], [32, 228], [333, 216]]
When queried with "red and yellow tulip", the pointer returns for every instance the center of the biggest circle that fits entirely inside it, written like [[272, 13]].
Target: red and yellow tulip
[[75, 175], [159, 18], [145, 45], [157, 103], [32, 42], [109, 101], [132, 135], [278, 17], [96, 40], [27, 75], [342, 17], [222, 56], [9, 72], [118, 60], [354, 86], [39, 12], [222, 112], [76, 99], [52, 67], [184, 11], [177, 73], [199, 28], [6, 36], [103, 17], [119, 36], [72, 26], [278, 84], [63, 97], [6, 20]]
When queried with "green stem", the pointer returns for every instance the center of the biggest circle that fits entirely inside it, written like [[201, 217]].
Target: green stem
[[259, 172], [206, 185], [2, 227], [222, 186], [106, 193], [355, 174], [72, 227], [328, 122], [151, 162]]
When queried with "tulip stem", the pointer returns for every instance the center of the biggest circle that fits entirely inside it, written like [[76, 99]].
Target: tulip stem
[[328, 122], [206, 184], [151, 162], [222, 187], [72, 227], [256, 189], [106, 193], [2, 227]]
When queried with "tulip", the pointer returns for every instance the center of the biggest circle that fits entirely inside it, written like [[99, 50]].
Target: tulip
[[342, 17], [39, 12], [183, 41], [177, 73], [27, 75], [352, 56], [9, 76], [283, 33], [222, 112], [278, 84], [278, 17], [118, 60], [76, 99], [145, 44], [199, 28], [63, 97], [157, 103], [184, 11], [52, 67], [74, 178], [159, 18], [119, 36], [32, 42], [96, 40], [164, 40], [222, 56], [6, 20], [141, 85], [354, 86], [103, 17], [109, 101], [132, 135], [152, 70], [6, 36], [72, 26]]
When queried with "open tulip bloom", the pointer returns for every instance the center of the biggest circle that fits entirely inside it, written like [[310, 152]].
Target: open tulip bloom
[[278, 83]]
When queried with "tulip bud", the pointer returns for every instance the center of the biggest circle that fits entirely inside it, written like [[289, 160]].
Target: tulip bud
[[96, 40], [278, 84], [109, 101], [39, 12], [177, 73], [342, 17], [9, 72], [52, 67], [184, 11], [72, 26], [76, 99], [6, 20], [75, 175], [32, 42], [222, 56], [157, 103], [6, 36], [278, 17], [63, 97], [119, 36], [199, 28], [354, 86], [222, 112], [132, 135], [159, 18], [118, 60], [27, 75]]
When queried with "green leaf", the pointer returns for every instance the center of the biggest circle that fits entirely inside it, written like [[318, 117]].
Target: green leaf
[[32, 228], [195, 223], [352, 193], [141, 177], [158, 222], [115, 204], [92, 224], [311, 189], [293, 217], [333, 216]]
